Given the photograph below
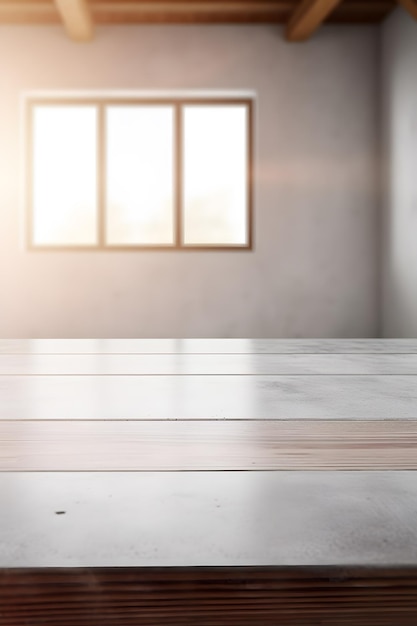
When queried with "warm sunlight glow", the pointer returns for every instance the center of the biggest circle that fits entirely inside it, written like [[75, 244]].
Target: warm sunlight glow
[[215, 174], [127, 173], [64, 175], [140, 175]]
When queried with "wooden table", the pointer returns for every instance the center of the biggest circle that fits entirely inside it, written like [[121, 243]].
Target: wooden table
[[151, 482]]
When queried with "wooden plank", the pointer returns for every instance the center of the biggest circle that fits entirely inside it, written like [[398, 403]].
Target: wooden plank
[[29, 12], [215, 445], [117, 12], [249, 11], [192, 11], [410, 6], [208, 397], [307, 18], [207, 364], [208, 519], [76, 17], [331, 596], [278, 11], [356, 11], [208, 346]]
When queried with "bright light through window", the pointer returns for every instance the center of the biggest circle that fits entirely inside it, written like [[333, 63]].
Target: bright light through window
[[64, 175], [215, 172], [140, 175], [129, 174]]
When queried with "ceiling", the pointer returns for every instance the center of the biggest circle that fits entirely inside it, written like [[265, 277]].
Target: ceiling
[[137, 11], [302, 17]]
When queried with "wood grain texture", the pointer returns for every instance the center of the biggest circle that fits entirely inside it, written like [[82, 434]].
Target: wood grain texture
[[208, 346], [207, 364], [208, 397], [327, 596], [217, 445], [213, 547], [207, 519]]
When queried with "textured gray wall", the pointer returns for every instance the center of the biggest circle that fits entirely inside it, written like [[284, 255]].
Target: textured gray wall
[[399, 246], [313, 272]]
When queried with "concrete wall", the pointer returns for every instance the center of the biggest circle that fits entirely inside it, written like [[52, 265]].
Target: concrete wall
[[399, 245], [313, 272]]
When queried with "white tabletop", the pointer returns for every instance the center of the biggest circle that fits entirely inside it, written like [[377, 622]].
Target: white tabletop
[[136, 452], [208, 519]]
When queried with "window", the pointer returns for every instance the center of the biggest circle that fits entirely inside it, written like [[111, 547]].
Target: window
[[130, 174]]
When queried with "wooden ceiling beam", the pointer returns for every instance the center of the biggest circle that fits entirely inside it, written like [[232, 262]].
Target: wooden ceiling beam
[[42, 12], [76, 17], [410, 6], [190, 11], [307, 18], [139, 11]]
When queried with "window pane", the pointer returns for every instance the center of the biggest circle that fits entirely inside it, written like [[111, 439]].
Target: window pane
[[215, 174], [140, 175], [64, 175]]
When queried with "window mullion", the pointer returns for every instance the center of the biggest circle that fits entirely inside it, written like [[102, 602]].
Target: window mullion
[[178, 175], [101, 176]]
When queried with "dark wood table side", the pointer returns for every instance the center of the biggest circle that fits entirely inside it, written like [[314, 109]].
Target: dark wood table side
[[248, 596]]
